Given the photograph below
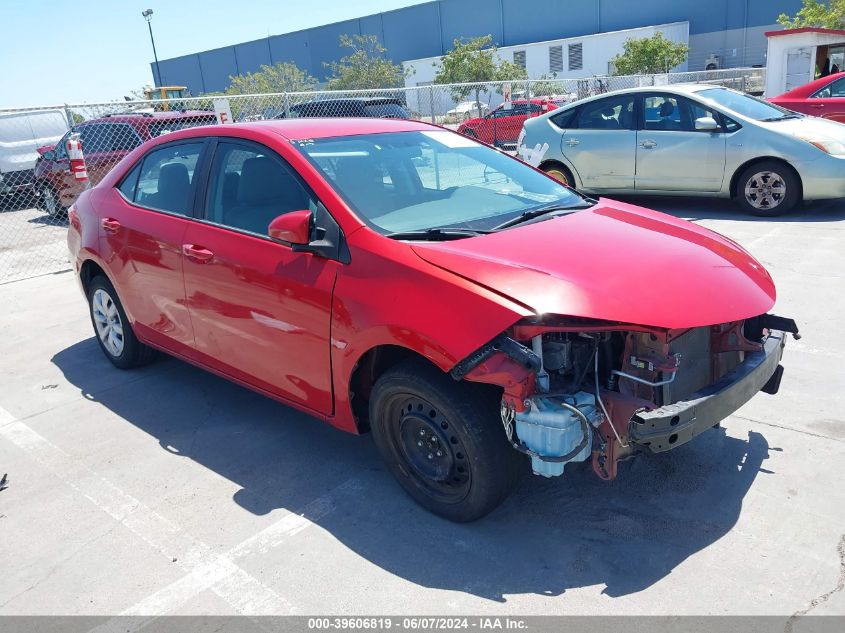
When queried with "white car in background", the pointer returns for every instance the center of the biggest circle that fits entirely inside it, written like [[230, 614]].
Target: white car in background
[[697, 140], [21, 134], [467, 110]]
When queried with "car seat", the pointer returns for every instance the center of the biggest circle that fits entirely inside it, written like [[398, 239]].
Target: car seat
[[174, 185], [265, 191]]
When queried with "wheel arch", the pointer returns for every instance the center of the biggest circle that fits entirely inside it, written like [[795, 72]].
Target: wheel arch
[[370, 366], [88, 271], [762, 159]]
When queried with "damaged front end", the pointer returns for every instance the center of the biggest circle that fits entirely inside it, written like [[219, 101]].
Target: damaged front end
[[575, 389]]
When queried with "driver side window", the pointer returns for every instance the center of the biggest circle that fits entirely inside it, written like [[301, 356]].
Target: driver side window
[[250, 187]]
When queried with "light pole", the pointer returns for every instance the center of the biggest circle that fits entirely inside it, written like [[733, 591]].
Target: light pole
[[148, 16]]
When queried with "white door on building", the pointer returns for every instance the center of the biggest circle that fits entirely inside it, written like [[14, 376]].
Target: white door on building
[[799, 70]]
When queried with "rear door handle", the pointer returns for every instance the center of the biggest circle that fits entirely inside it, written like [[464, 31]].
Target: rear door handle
[[196, 253], [110, 225], [573, 142], [648, 144]]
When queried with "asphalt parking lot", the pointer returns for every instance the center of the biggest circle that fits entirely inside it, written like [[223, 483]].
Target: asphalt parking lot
[[167, 490]]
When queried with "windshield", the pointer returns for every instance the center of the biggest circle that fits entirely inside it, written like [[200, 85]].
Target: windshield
[[415, 181], [743, 104]]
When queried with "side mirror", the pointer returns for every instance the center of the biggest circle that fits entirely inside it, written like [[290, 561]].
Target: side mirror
[[706, 124], [293, 228]]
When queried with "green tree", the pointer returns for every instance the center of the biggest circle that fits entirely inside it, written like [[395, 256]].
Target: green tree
[[649, 55], [280, 77], [829, 15], [365, 67], [546, 86], [472, 61]]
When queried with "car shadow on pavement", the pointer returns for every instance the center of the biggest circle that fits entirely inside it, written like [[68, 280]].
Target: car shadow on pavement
[[548, 537], [694, 208]]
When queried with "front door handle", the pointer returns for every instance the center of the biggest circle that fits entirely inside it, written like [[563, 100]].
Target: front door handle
[[110, 225], [648, 144], [573, 142], [196, 253]]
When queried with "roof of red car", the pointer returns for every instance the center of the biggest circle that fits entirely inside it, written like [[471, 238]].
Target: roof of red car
[[321, 127], [810, 88]]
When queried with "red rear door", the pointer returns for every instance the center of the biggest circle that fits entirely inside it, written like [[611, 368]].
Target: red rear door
[[143, 222], [261, 312]]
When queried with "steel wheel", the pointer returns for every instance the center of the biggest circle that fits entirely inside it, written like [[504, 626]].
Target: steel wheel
[[765, 190], [49, 202], [434, 453], [107, 322]]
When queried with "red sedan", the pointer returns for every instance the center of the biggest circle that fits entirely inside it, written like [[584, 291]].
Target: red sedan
[[395, 277], [501, 126], [823, 97]]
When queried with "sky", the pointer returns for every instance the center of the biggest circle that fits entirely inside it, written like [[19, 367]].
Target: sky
[[74, 51]]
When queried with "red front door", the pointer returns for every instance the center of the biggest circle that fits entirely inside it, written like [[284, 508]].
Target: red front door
[[261, 312]]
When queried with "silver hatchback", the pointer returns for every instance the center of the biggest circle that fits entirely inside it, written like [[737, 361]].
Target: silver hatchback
[[690, 140]]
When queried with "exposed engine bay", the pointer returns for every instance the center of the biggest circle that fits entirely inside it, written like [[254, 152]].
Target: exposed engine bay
[[574, 390]]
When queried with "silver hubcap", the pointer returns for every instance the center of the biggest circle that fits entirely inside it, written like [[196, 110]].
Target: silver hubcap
[[107, 322], [49, 201], [765, 190]]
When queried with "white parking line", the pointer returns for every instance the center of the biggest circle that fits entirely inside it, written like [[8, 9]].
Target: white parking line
[[204, 569]]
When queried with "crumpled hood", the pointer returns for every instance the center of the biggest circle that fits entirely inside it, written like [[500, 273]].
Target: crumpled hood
[[614, 262]]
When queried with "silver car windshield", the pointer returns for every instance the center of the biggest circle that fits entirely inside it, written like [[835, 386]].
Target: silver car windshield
[[415, 181], [745, 105]]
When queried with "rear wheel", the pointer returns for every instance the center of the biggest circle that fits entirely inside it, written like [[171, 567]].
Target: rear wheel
[[114, 333], [559, 173], [48, 201], [470, 134], [768, 188], [443, 441]]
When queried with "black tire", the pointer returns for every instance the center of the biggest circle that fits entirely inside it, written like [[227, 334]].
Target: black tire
[[768, 189], [132, 353], [470, 134], [415, 409], [560, 173], [48, 201]]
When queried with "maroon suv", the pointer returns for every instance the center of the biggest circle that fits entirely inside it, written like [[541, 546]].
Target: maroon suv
[[104, 142]]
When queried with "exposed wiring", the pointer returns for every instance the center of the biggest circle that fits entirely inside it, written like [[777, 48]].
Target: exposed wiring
[[601, 404]]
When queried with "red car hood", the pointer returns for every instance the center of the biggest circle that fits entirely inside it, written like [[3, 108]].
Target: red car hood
[[615, 262]]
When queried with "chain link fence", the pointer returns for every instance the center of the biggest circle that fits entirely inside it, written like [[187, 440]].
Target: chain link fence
[[37, 185]]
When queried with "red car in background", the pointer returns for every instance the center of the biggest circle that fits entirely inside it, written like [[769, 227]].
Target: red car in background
[[470, 311], [823, 97], [502, 127], [105, 141]]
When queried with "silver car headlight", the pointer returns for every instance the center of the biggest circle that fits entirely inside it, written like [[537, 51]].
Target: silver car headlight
[[827, 145]]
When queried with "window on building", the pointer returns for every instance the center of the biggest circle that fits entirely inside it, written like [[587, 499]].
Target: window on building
[[576, 56], [556, 59], [519, 58]]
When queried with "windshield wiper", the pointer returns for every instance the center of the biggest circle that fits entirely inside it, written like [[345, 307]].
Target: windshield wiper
[[783, 117], [536, 213], [437, 234]]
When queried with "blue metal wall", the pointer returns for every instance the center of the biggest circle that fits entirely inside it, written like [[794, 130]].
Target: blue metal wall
[[426, 30]]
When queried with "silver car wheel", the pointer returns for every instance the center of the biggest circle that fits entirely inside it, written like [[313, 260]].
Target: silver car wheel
[[49, 201], [107, 322], [765, 190]]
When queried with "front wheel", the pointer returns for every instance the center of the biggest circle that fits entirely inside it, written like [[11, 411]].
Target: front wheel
[[768, 189], [443, 441]]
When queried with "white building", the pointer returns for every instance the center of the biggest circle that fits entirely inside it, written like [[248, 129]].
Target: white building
[[570, 58]]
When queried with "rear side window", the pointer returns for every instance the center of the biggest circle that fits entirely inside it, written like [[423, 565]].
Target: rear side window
[[130, 182], [564, 119], [166, 177]]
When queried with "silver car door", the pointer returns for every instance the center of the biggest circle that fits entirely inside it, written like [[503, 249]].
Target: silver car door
[[672, 155], [600, 143]]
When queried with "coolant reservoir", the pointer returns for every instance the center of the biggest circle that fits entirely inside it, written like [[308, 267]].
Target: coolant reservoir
[[550, 430]]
